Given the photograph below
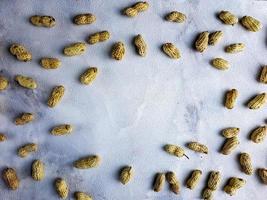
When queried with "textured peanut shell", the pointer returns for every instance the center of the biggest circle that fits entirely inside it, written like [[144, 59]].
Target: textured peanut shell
[[27, 149], [87, 162], [126, 174], [230, 98], [262, 173], [170, 50], [130, 12], [26, 82], [141, 6], [38, 171], [62, 188], [3, 83], [202, 41], [251, 24], [230, 132], [174, 150], [215, 37], [24, 118], [220, 63], [83, 19], [43, 21], [194, 179], [214, 180], [175, 16], [173, 181], [82, 196], [258, 101], [229, 145], [140, 45], [197, 147], [98, 37], [3, 137], [258, 135], [233, 185], [159, 182], [75, 49], [263, 75], [50, 63], [89, 75], [56, 96], [21, 53], [63, 129], [118, 51], [228, 18], [10, 178], [246, 163], [207, 194], [235, 48]]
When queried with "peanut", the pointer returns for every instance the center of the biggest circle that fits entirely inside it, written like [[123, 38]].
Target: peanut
[[194, 179], [118, 51], [56, 96], [207, 194], [3, 137], [214, 180], [246, 163], [50, 63], [3, 83], [89, 75], [230, 132], [159, 182], [75, 49], [62, 188], [63, 129], [26, 82], [173, 181], [10, 178], [197, 147], [175, 150], [251, 24], [82, 196], [233, 185], [26, 149], [229, 145], [126, 174], [235, 48], [87, 162], [220, 63], [263, 75], [170, 50], [24, 118], [133, 10], [258, 135], [175, 16], [202, 41], [83, 19], [98, 37], [20, 52], [228, 18], [258, 101], [43, 21], [215, 37], [230, 98], [263, 175], [140, 45], [38, 171]]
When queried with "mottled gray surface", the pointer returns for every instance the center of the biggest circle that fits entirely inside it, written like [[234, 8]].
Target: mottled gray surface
[[135, 106]]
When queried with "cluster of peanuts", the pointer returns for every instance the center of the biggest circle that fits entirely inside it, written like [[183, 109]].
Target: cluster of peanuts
[[118, 50]]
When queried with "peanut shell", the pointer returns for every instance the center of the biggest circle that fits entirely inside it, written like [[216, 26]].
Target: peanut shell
[[62, 188], [197, 147], [10, 178], [194, 179], [233, 185], [263, 75], [228, 18], [175, 16], [230, 132], [50, 63], [83, 19], [202, 41], [246, 163], [258, 101], [75, 49], [251, 24], [98, 37], [63, 129], [230, 98], [170, 50], [229, 145], [43, 21], [118, 51], [87, 162], [215, 37], [220, 63], [3, 83], [21, 53], [140, 45], [26, 82], [38, 171], [24, 118], [258, 135], [89, 75], [214, 180], [159, 182], [263, 175], [235, 48], [126, 174], [56, 96], [82, 196], [26, 149]]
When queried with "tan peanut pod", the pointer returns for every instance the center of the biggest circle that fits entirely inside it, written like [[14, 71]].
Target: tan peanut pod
[[258, 135], [197, 147], [207, 194], [38, 171], [175, 150], [43, 21], [130, 12], [26, 149], [159, 182], [63, 129], [21, 53], [170, 50], [202, 41], [263, 75], [24, 118], [140, 45], [118, 51], [75, 49], [233, 185], [3, 137], [262, 173], [98, 37], [83, 19], [215, 37], [87, 162], [62, 188], [246, 163], [50, 63], [26, 82], [235, 48], [175, 16], [10, 178], [173, 181], [214, 180], [141, 6], [220, 63], [228, 18], [56, 96], [229, 145], [126, 174], [82, 196], [89, 75], [251, 24], [258, 101], [194, 179], [3, 83], [230, 132], [230, 98]]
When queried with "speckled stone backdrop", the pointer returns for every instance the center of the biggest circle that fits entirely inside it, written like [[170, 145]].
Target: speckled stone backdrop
[[135, 106]]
